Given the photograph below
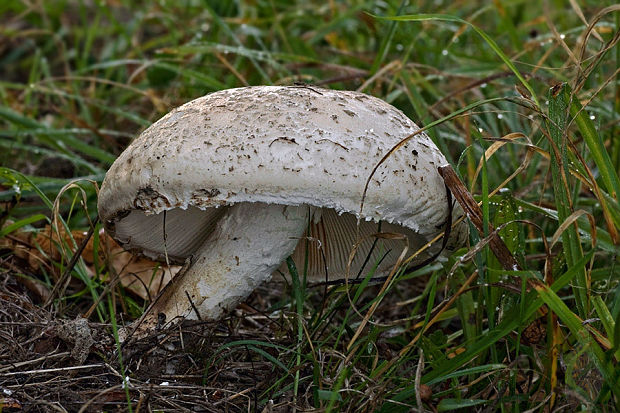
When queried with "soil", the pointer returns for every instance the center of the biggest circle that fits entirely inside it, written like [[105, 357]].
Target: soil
[[49, 363]]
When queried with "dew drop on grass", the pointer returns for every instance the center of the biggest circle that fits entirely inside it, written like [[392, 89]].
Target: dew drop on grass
[[592, 117], [444, 52], [562, 36], [482, 86], [499, 116]]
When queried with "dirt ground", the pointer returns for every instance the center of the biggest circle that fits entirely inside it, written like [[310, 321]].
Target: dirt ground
[[58, 364]]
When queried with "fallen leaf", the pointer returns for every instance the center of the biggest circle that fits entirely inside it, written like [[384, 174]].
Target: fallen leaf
[[42, 248]]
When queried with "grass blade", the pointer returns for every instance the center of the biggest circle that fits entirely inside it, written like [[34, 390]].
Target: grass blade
[[558, 113], [449, 405], [486, 37], [504, 327], [472, 370], [576, 326], [595, 144], [21, 223]]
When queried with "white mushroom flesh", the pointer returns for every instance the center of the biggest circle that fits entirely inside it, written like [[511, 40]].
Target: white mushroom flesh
[[243, 149], [247, 244]]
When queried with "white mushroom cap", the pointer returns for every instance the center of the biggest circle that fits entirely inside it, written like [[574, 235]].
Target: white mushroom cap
[[272, 145]]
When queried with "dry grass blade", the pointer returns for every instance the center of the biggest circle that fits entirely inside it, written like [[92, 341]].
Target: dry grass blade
[[66, 275], [473, 212], [580, 81], [579, 12], [570, 220], [403, 352], [392, 66], [375, 304], [495, 146], [63, 235], [560, 40]]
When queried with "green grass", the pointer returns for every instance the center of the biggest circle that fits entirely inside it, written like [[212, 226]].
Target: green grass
[[503, 86]]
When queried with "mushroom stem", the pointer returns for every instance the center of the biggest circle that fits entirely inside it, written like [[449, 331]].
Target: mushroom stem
[[248, 243]]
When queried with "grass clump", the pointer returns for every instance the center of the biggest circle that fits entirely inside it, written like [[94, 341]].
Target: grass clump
[[522, 98]]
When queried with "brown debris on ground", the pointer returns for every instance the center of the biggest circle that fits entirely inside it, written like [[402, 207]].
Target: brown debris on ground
[[39, 249], [51, 364]]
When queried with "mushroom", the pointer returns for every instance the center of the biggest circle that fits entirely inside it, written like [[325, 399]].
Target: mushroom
[[228, 184]]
